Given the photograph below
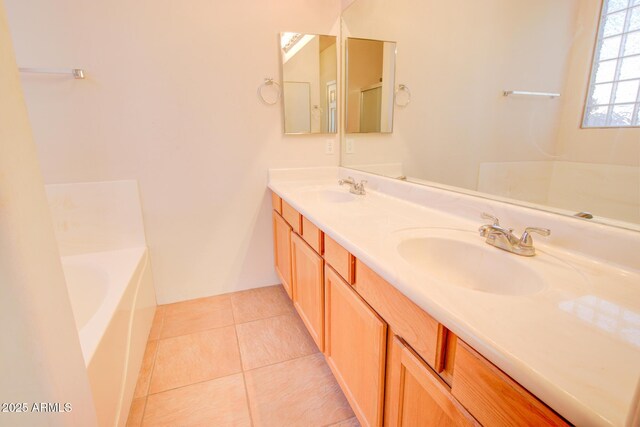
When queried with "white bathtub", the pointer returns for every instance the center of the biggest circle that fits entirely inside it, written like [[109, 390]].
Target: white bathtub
[[113, 302]]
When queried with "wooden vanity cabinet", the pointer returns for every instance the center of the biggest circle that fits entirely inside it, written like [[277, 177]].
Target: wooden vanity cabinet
[[355, 348], [493, 397], [340, 259], [313, 236], [276, 202], [282, 251], [292, 216], [308, 287], [407, 320], [418, 374], [416, 395]]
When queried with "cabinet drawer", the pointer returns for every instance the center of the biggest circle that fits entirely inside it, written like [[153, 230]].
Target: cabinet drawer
[[492, 397], [339, 258], [312, 235], [276, 202], [421, 331], [292, 216]]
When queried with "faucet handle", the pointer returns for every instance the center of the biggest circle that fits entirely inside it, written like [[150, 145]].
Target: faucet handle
[[526, 239], [495, 220], [349, 180], [359, 188]]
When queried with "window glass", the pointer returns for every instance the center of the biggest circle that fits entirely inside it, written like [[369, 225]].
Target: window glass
[[614, 91]]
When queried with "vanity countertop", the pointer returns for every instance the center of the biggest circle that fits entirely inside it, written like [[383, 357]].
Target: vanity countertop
[[575, 344]]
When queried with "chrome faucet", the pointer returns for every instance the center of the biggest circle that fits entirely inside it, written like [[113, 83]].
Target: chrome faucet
[[503, 238], [356, 188]]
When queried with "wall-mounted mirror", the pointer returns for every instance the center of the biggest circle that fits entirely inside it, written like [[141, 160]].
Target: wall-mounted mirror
[[309, 83], [579, 151], [370, 79]]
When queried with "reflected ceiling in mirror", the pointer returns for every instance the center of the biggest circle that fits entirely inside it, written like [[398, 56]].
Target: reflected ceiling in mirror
[[461, 131], [309, 83], [370, 67]]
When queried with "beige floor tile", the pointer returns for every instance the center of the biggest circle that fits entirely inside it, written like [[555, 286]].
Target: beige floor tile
[[193, 358], [351, 422], [156, 326], [136, 412], [300, 392], [142, 386], [220, 402], [197, 315], [272, 340], [260, 303]]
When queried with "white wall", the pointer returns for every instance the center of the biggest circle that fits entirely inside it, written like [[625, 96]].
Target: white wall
[[40, 352], [96, 216], [605, 190], [170, 100], [457, 57]]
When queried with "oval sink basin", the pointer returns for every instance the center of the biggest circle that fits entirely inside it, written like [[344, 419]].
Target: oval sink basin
[[462, 259], [334, 196]]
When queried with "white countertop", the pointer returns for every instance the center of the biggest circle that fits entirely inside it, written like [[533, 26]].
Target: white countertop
[[575, 344]]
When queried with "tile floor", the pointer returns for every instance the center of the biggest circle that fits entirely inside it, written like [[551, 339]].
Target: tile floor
[[242, 359]]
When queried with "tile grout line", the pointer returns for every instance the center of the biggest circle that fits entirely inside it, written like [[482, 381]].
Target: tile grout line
[[201, 330], [293, 310], [195, 383], [284, 361], [153, 367], [244, 379], [226, 326], [290, 310], [242, 371], [341, 421], [227, 294]]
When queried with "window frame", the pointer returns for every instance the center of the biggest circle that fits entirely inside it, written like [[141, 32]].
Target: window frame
[[595, 56]]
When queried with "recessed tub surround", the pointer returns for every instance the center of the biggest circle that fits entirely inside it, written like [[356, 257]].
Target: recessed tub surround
[[100, 234], [574, 342], [96, 283]]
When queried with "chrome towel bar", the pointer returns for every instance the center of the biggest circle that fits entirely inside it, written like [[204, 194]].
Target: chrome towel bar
[[527, 93], [77, 73]]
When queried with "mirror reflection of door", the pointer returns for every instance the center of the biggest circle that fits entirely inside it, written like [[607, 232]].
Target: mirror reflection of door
[[297, 107], [309, 67], [370, 66], [331, 107], [371, 108]]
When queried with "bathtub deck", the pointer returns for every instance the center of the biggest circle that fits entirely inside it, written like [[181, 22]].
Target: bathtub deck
[[241, 359]]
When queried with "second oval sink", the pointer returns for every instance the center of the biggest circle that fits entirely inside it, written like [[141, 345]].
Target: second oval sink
[[459, 258]]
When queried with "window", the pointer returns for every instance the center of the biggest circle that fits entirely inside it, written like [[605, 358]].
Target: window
[[614, 91]]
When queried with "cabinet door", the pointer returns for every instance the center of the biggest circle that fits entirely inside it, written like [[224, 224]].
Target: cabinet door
[[308, 287], [355, 348], [282, 251], [416, 396]]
